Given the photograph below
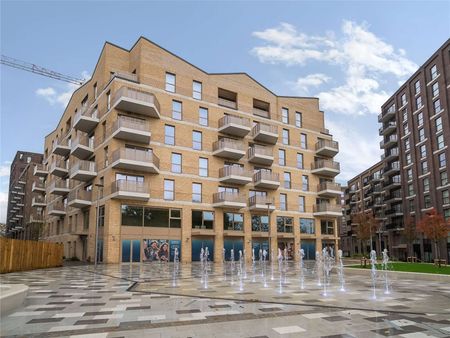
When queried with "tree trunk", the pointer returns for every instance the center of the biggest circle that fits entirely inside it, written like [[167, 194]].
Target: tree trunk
[[436, 247]]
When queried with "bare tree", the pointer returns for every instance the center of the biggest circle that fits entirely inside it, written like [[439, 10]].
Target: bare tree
[[366, 225], [410, 233]]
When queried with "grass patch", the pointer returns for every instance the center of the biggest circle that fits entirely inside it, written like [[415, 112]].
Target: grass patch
[[412, 267]]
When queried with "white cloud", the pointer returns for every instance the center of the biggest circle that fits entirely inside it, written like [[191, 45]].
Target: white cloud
[[4, 180], [3, 206], [303, 84], [5, 170]]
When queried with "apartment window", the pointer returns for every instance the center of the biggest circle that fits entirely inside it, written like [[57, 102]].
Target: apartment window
[[407, 144], [101, 215], [405, 114], [203, 116], [202, 219], [420, 119], [283, 202], [287, 180], [203, 167], [410, 190], [108, 100], [426, 184], [417, 87], [95, 91], [307, 226], [445, 197], [305, 183], [299, 161], [442, 160], [196, 140], [403, 99], [169, 135], [423, 151], [233, 221], [285, 136], [327, 227], [405, 128], [170, 82], [260, 223], [421, 134], [435, 89], [408, 158], [197, 90], [419, 102], [411, 205], [438, 124], [444, 178], [284, 115], [177, 110], [197, 192], [409, 174], [285, 224], [169, 190], [447, 214], [434, 72], [298, 119], [301, 203], [303, 141], [281, 157], [176, 163], [440, 141], [437, 106], [427, 201]]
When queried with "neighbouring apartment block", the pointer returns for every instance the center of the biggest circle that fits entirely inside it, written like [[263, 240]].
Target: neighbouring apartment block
[[163, 155]]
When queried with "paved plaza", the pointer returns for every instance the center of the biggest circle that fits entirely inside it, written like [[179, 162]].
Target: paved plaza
[[168, 300]]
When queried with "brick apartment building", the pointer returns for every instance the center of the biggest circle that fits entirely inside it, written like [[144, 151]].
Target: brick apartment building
[[165, 155]]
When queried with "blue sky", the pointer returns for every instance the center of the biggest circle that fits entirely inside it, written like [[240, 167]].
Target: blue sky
[[352, 55]]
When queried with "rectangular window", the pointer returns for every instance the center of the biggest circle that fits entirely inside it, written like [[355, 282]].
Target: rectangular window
[[197, 90], [327, 227], [407, 144], [419, 102], [281, 157], [285, 224], [101, 215], [410, 190], [298, 119], [203, 116], [95, 91], [437, 106], [423, 151], [420, 119], [440, 141], [169, 190], [307, 226], [169, 135], [445, 197], [421, 134], [444, 178], [405, 128], [303, 141], [176, 163], [203, 167], [417, 87], [177, 110], [435, 89], [408, 158], [108, 100], [260, 223], [409, 174], [196, 140], [170, 82], [405, 114], [284, 115], [411, 205], [403, 99], [233, 221], [442, 161], [287, 180], [283, 202], [197, 192], [202, 219], [301, 203], [299, 161], [427, 201], [438, 124], [285, 136], [434, 72], [305, 183], [426, 184]]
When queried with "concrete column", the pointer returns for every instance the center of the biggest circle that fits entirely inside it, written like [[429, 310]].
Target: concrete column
[[248, 238], [273, 242], [218, 240], [318, 235], [186, 238], [296, 239]]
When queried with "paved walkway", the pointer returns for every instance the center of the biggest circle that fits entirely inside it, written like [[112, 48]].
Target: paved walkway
[[157, 300]]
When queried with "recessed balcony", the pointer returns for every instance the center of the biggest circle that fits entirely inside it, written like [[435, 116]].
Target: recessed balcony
[[36, 219], [234, 175], [83, 171], [61, 147], [229, 148], [388, 128], [389, 142], [38, 201], [59, 168], [131, 129], [391, 154], [135, 159], [137, 101], [391, 169], [325, 168], [79, 198], [261, 203], [327, 210], [386, 115], [130, 190], [392, 183], [59, 187], [265, 133], [260, 155], [38, 187], [327, 148], [264, 179], [329, 190], [86, 119], [228, 200], [56, 209], [234, 125], [40, 170], [82, 147]]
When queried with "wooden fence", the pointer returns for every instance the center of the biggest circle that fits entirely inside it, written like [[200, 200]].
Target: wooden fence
[[19, 255]]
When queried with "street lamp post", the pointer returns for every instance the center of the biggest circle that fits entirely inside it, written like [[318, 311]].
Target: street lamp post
[[97, 219]]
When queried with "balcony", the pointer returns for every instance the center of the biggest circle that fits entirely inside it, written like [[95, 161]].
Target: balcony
[[389, 142], [393, 197], [82, 147], [135, 159], [392, 183], [260, 155], [261, 203], [226, 103], [388, 128], [386, 115], [38, 187], [59, 168], [228, 148], [391, 155], [393, 168], [83, 171], [130, 190], [327, 210], [325, 168], [264, 179], [56, 209], [36, 219], [329, 190], [234, 125], [40, 170], [61, 147], [136, 101], [265, 133], [86, 120], [59, 187], [234, 175], [327, 148], [38, 201], [79, 199], [131, 129], [394, 211], [228, 200]]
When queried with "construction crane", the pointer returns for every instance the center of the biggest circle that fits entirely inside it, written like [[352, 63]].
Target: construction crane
[[31, 67]]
